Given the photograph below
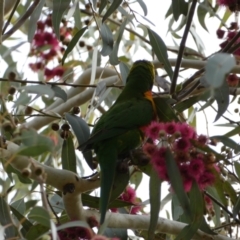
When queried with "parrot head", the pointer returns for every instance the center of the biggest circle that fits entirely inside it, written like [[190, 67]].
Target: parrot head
[[142, 75]]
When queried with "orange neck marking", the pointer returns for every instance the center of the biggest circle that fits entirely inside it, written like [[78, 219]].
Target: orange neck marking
[[148, 95]]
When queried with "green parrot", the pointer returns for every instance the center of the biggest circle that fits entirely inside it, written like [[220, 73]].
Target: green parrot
[[118, 131]]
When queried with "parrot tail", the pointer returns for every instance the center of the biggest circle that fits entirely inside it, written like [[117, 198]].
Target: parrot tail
[[107, 157]]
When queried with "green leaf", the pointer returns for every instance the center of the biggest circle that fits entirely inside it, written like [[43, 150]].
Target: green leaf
[[26, 224], [176, 182], [113, 58], [103, 4], [23, 99], [107, 39], [160, 50], [236, 207], [227, 142], [237, 168], [220, 196], [39, 89], [165, 112], [68, 155], [155, 202], [79, 126], [124, 70], [217, 67], [35, 231], [143, 6], [115, 4], [33, 143], [5, 219], [180, 107], [40, 215], [179, 7], [230, 191], [73, 42], [233, 132], [136, 178], [19, 205], [82, 132], [59, 7], [201, 13], [221, 95], [121, 180], [33, 20], [225, 17], [59, 92]]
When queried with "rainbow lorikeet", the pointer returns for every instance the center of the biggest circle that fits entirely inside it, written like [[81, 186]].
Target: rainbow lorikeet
[[118, 131]]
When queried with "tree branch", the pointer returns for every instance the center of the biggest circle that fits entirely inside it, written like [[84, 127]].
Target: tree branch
[[21, 21], [117, 220], [182, 46]]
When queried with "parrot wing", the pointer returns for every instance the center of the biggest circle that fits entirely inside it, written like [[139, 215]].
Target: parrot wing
[[124, 116]]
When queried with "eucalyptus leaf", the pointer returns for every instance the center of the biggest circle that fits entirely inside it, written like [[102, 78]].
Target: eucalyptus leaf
[[217, 67], [113, 58], [124, 70], [59, 92], [221, 95], [155, 202], [111, 9], [68, 155], [73, 43], [107, 39], [39, 89], [40, 215], [179, 7], [143, 6], [59, 7], [160, 50], [34, 18]]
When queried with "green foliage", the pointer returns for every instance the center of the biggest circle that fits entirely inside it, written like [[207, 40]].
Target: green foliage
[[72, 69]]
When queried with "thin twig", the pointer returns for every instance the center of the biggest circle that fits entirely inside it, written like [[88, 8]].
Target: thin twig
[[21, 21], [182, 46], [2, 6], [222, 206], [55, 83], [10, 16], [188, 91], [229, 45]]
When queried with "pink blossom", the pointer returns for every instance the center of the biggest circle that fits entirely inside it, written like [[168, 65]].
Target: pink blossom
[[206, 179], [152, 130], [220, 33], [182, 157], [187, 184], [186, 130], [231, 35], [162, 172], [135, 209], [182, 144], [202, 139], [171, 127], [58, 71], [184, 170], [232, 80], [38, 39], [158, 157], [114, 210], [99, 237], [223, 44], [196, 168], [129, 195], [226, 2], [149, 149]]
